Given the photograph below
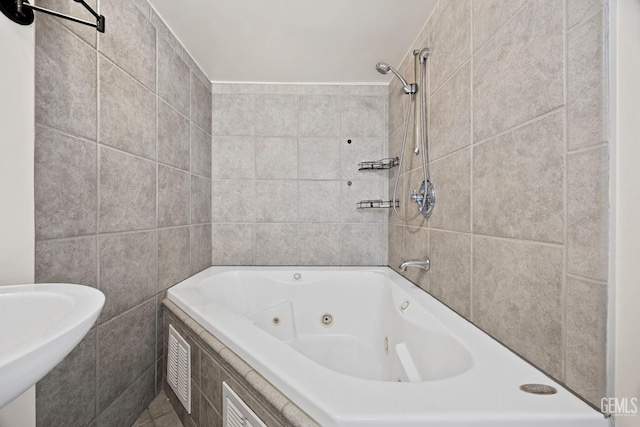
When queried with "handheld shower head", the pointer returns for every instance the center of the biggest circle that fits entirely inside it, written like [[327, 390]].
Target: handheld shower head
[[384, 68]]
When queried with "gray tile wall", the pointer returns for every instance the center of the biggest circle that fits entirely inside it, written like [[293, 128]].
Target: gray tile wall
[[519, 153], [282, 160], [123, 197]]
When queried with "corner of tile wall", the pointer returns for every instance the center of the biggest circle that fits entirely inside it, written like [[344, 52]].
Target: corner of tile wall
[[519, 157], [123, 197], [285, 174]]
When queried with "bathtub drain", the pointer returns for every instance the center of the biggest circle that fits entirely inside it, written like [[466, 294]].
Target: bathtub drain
[[276, 321], [538, 389], [326, 319]]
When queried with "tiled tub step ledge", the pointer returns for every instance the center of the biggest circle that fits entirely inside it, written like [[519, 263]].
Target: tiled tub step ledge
[[213, 363]]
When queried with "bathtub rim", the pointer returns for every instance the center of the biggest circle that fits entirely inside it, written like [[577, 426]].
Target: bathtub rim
[[569, 406]]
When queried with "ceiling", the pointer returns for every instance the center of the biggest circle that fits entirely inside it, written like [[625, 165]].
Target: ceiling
[[328, 41]]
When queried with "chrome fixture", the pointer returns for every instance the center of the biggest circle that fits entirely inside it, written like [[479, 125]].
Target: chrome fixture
[[408, 88], [420, 263], [425, 197], [21, 12]]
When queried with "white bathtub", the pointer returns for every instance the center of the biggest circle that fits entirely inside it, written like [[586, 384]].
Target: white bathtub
[[391, 355]]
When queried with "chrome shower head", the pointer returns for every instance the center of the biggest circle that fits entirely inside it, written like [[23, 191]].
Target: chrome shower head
[[384, 68]]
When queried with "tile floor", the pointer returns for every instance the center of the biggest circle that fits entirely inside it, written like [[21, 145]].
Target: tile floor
[[160, 413]]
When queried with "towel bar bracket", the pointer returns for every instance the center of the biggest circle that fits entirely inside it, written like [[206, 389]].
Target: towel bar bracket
[[21, 12]]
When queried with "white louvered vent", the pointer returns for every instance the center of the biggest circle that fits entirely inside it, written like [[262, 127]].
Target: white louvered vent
[[236, 413], [179, 367]]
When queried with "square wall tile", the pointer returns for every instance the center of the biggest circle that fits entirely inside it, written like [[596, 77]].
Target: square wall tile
[[588, 211], [450, 115], [200, 247], [67, 261], [174, 191], [174, 78], [516, 301], [319, 244], [362, 116], [319, 201], [450, 41], [319, 115], [357, 192], [276, 244], [67, 394], [586, 337], [489, 16], [126, 349], [416, 246], [587, 84], [363, 244], [130, 40], [127, 112], [277, 201], [451, 177], [233, 114], [450, 273], [163, 31], [143, 6], [200, 200], [86, 33], [579, 10], [233, 157], [318, 158], [173, 256], [362, 150], [173, 137], [233, 201], [518, 182], [127, 192], [276, 158], [278, 115], [233, 244], [200, 104], [200, 152], [211, 388], [65, 185], [519, 74], [395, 241], [124, 410], [397, 106], [65, 81], [128, 270]]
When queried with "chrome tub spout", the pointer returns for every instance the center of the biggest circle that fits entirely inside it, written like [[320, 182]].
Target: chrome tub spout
[[420, 263]]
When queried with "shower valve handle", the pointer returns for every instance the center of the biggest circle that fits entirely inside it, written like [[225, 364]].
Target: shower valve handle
[[416, 198]]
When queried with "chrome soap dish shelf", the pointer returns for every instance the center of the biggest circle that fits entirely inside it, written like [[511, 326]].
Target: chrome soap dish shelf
[[377, 204], [379, 164]]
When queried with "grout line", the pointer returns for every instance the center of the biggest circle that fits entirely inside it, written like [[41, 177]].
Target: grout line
[[471, 169], [594, 147], [587, 279], [565, 252], [511, 18], [98, 186], [520, 125], [601, 9], [119, 67], [157, 234]]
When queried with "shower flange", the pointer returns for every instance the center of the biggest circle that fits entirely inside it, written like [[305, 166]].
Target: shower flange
[[10, 10]]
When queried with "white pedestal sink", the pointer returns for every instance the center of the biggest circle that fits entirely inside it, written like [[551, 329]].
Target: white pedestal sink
[[39, 326]]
